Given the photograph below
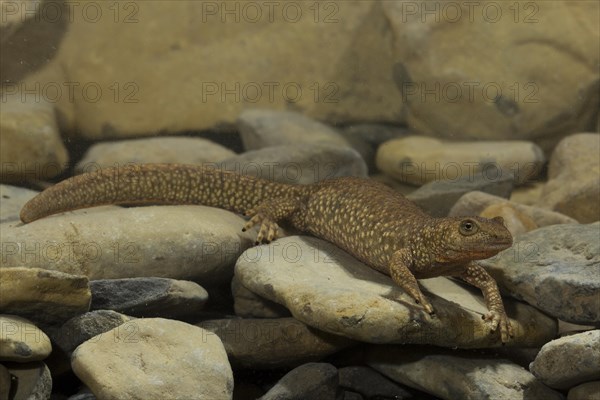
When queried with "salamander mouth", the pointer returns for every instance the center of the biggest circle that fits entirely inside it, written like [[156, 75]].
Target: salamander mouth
[[502, 244]]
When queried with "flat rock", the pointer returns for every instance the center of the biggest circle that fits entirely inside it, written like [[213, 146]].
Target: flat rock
[[569, 361], [148, 297], [371, 384], [164, 358], [438, 197], [308, 381], [573, 184], [474, 203], [515, 221], [32, 381], [585, 391], [273, 343], [22, 341], [13, 199], [555, 269], [181, 150], [418, 160], [180, 242], [457, 374], [328, 289], [265, 128], [298, 164], [31, 147], [49, 297], [82, 328]]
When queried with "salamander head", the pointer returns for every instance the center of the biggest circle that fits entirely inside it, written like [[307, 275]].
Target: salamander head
[[471, 238]]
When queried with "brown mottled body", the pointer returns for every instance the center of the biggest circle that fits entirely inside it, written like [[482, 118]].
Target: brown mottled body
[[369, 220]]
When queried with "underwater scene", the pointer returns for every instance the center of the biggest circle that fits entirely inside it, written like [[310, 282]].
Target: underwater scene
[[299, 199]]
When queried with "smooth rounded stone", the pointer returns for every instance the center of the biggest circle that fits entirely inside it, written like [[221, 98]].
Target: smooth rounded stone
[[328, 289], [514, 220], [366, 138], [21, 340], [298, 164], [13, 199], [555, 269], [418, 160], [569, 361], [31, 147], [82, 328], [438, 197], [32, 381], [370, 384], [164, 358], [585, 391], [273, 343], [457, 374], [573, 184], [308, 381], [474, 203], [266, 128], [49, 297], [181, 150], [181, 242], [469, 98], [528, 194], [247, 304], [148, 297]]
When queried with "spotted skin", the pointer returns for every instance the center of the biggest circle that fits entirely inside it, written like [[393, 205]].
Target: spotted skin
[[367, 219]]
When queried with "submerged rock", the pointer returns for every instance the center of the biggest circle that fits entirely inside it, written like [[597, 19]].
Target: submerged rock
[[330, 290], [556, 269], [160, 359]]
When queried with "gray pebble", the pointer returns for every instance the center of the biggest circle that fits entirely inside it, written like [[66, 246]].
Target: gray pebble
[[298, 164], [569, 361], [148, 297], [84, 327], [555, 269], [438, 197], [264, 128], [308, 381], [457, 374]]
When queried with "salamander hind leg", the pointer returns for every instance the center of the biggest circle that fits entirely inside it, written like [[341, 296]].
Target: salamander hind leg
[[404, 278], [268, 214]]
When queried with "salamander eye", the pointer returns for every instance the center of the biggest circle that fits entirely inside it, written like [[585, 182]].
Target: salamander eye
[[468, 227]]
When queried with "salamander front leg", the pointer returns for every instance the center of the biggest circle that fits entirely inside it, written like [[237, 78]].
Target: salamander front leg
[[404, 278], [475, 275]]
